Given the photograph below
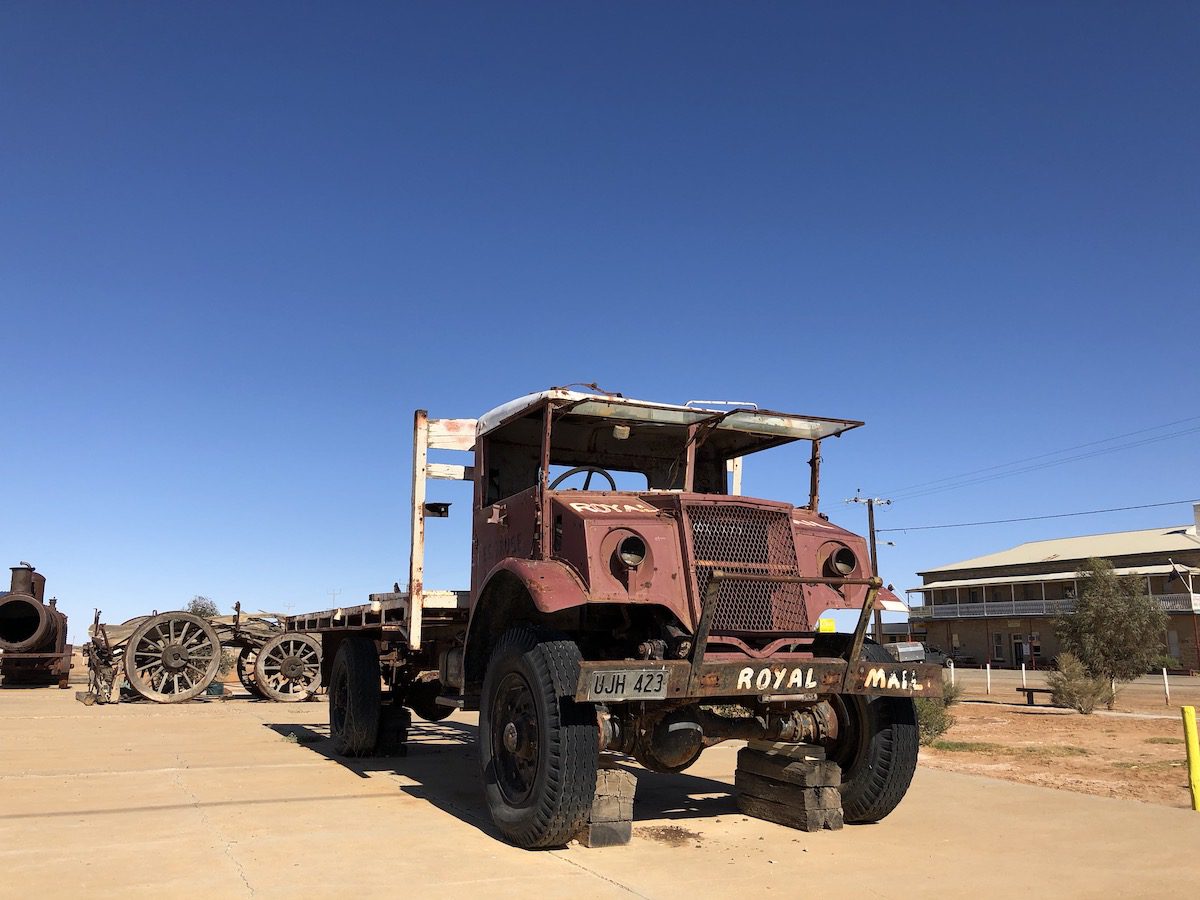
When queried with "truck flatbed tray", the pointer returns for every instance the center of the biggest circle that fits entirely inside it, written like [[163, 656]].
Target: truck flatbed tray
[[389, 610]]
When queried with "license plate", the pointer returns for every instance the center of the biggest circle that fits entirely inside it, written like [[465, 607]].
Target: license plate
[[628, 684]]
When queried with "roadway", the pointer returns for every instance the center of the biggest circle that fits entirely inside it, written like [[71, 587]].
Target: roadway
[[243, 798]]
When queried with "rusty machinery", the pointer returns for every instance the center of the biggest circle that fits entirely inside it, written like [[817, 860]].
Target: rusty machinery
[[174, 656], [33, 633], [626, 597]]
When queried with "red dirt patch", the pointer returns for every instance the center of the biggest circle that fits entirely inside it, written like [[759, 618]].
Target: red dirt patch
[[1133, 757]]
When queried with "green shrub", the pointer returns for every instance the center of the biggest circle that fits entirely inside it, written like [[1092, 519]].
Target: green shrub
[[1073, 687], [951, 693], [1166, 661], [933, 713]]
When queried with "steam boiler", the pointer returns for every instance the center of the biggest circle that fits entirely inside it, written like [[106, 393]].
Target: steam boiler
[[33, 633]]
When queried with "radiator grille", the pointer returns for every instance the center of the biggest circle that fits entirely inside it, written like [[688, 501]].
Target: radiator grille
[[747, 541]]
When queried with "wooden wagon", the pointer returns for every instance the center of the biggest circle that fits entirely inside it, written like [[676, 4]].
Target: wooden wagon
[[174, 656]]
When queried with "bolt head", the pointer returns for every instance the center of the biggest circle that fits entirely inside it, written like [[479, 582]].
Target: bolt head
[[510, 737]]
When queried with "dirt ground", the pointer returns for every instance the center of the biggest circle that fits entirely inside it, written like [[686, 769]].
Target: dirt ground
[[1131, 756], [247, 799]]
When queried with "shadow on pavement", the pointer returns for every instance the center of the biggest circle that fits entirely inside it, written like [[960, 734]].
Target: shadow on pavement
[[442, 759]]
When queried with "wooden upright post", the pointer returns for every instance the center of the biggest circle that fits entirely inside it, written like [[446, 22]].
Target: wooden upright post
[[735, 471], [416, 559]]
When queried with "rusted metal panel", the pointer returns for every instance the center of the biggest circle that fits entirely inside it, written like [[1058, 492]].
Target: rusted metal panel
[[551, 585], [502, 531], [781, 676], [586, 526]]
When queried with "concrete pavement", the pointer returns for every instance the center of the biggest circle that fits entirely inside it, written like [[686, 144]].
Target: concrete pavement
[[215, 799]]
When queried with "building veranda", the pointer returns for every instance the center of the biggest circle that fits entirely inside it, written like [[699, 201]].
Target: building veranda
[[1000, 608]]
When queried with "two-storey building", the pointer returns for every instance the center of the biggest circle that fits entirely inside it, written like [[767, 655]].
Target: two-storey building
[[1001, 607]]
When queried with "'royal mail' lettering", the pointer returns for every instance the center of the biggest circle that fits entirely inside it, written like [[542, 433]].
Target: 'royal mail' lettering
[[612, 507]]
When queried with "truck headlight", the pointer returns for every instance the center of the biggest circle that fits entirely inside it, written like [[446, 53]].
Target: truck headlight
[[841, 563], [631, 551]]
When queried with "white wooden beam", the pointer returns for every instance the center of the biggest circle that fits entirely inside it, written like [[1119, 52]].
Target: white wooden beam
[[451, 434]]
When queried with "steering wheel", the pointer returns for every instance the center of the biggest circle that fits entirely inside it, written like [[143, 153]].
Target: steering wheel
[[587, 482]]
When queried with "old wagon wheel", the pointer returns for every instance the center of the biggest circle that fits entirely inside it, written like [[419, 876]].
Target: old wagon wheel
[[172, 657], [245, 671], [288, 667]]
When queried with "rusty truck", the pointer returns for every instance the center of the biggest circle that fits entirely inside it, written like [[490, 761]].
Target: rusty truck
[[625, 597]]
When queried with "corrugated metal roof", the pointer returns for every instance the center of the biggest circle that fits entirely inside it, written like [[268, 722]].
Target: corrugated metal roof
[[755, 421], [1106, 546], [1069, 575]]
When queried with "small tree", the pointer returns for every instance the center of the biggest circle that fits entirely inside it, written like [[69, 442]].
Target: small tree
[[1074, 687], [202, 607], [1116, 630]]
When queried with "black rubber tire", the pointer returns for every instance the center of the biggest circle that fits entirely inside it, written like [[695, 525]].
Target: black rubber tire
[[877, 748], [354, 697], [560, 795]]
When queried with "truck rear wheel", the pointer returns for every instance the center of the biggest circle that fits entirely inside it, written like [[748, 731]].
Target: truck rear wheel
[[354, 697], [876, 747], [539, 748]]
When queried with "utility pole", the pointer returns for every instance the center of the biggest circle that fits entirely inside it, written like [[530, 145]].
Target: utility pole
[[871, 501]]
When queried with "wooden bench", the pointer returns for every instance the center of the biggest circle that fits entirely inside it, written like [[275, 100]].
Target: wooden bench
[[1029, 692]]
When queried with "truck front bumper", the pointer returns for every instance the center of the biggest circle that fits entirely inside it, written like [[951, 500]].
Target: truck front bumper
[[779, 676], [776, 678]]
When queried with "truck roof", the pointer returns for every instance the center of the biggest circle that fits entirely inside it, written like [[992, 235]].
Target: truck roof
[[787, 426]]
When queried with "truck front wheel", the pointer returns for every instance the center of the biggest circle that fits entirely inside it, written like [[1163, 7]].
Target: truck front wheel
[[354, 697], [876, 747], [539, 748]]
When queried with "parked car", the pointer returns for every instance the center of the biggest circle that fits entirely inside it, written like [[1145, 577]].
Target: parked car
[[936, 656], [939, 657]]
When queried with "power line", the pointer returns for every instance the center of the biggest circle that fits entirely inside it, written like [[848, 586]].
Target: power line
[[1045, 465], [1090, 512], [950, 478], [1041, 456]]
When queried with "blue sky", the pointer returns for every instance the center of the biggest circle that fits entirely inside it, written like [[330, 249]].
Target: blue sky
[[239, 243]]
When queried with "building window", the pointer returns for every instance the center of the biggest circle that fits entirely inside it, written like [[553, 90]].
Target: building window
[[1035, 644], [997, 646], [954, 641]]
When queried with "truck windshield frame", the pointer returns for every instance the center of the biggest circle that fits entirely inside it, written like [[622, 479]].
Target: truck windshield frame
[[677, 448]]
